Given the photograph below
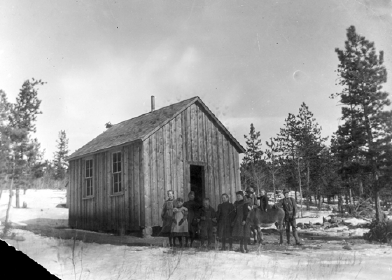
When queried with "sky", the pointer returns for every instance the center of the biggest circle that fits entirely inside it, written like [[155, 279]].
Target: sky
[[249, 61]]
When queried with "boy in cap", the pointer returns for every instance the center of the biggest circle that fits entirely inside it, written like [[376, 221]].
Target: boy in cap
[[207, 216], [290, 210], [250, 196], [193, 211], [263, 201]]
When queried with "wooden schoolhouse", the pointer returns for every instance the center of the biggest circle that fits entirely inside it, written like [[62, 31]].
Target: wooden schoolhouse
[[119, 180]]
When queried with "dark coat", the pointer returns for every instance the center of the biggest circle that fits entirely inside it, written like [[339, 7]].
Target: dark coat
[[167, 217], [251, 199], [206, 223], [263, 202], [225, 216], [241, 213], [193, 212], [289, 207]]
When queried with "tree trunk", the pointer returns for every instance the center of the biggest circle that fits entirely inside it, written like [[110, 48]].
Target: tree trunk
[[8, 208], [299, 183], [295, 194], [17, 197], [320, 202], [273, 184], [379, 213], [351, 196], [308, 187], [360, 188]]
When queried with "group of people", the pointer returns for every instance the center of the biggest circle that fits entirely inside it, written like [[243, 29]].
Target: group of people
[[187, 219]]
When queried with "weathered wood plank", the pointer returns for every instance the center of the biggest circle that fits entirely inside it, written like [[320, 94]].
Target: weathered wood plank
[[127, 187], [173, 140], [161, 174], [210, 164], [145, 187], [180, 160], [167, 158], [109, 186], [226, 165], [237, 167], [232, 170], [188, 129], [105, 195], [221, 151], [194, 136], [138, 164], [185, 172], [71, 201], [200, 134], [154, 180]]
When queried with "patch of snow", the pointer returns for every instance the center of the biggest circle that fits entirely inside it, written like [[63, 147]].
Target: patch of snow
[[355, 221]]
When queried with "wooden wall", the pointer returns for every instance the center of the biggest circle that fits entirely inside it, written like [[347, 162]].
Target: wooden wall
[[191, 138], [105, 211]]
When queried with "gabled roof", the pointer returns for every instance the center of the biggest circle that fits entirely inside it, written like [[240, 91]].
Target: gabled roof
[[141, 127]]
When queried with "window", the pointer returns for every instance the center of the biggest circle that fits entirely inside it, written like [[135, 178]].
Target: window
[[116, 181], [88, 177]]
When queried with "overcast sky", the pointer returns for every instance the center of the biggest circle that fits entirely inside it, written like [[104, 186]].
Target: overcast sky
[[249, 61]]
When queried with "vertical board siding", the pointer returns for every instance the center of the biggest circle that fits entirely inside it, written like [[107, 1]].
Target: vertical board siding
[[104, 211], [161, 173]]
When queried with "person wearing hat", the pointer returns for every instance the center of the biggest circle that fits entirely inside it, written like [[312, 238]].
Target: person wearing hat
[[290, 210], [208, 221], [251, 197], [263, 201], [241, 229]]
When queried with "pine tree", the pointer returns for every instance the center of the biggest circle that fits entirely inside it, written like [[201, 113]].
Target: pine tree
[[299, 144], [22, 118], [5, 144], [60, 163], [250, 167], [367, 128], [272, 162]]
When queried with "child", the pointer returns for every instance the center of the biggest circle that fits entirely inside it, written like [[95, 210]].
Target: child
[[167, 216], [207, 221], [180, 223], [241, 228], [225, 216], [193, 210]]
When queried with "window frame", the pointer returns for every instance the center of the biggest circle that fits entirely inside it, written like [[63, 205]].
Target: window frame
[[120, 190], [90, 178]]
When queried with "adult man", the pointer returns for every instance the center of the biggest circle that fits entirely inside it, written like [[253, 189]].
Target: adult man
[[290, 209], [263, 201]]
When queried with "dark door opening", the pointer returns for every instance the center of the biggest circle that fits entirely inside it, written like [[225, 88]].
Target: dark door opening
[[197, 182]]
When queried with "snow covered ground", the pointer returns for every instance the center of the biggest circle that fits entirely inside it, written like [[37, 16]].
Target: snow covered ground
[[68, 259]]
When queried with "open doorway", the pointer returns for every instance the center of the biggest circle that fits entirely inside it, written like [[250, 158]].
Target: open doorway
[[197, 182]]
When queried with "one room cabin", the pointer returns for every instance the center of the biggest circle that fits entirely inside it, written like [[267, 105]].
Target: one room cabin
[[119, 180]]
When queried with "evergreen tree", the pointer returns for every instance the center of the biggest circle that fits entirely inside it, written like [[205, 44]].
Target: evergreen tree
[[22, 117], [367, 129], [299, 144], [5, 144], [251, 172], [272, 163], [60, 163]]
